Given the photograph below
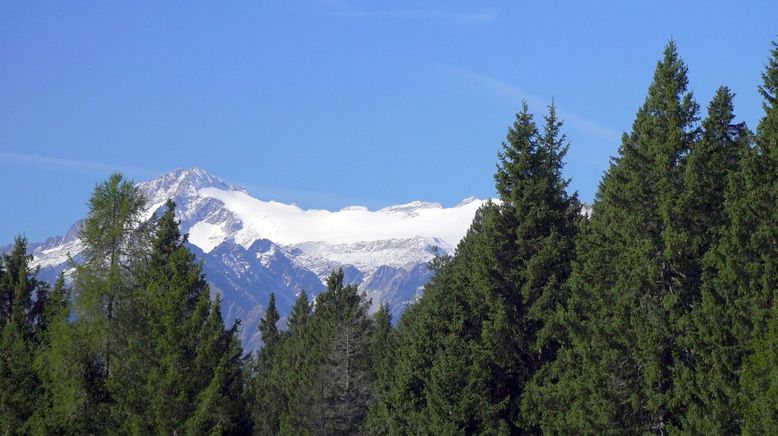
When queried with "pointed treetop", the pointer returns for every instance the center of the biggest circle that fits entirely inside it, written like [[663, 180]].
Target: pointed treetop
[[335, 280], [168, 236], [670, 76], [769, 87], [267, 326], [767, 131], [521, 141], [300, 312]]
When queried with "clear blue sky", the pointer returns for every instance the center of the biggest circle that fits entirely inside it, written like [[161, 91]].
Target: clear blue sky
[[333, 103]]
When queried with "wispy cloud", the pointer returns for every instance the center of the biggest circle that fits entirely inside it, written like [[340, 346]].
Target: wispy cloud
[[75, 165], [344, 9], [515, 93]]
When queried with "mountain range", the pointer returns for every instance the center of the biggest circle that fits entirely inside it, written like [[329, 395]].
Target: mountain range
[[250, 247]]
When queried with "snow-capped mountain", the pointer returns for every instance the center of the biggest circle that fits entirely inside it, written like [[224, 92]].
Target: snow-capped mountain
[[250, 247]]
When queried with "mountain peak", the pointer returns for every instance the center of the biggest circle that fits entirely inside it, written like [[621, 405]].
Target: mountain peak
[[411, 209], [181, 183]]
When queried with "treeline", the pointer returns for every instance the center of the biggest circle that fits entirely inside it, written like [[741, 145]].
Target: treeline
[[657, 313]]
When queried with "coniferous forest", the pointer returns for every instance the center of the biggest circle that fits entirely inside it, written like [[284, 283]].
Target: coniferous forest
[[655, 311]]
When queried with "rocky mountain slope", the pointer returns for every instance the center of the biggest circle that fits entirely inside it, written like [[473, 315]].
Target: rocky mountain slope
[[251, 247]]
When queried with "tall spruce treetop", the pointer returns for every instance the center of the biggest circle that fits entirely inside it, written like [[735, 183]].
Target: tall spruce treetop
[[627, 292], [758, 230], [267, 326], [701, 209], [301, 311], [514, 161], [705, 381], [20, 322], [484, 326]]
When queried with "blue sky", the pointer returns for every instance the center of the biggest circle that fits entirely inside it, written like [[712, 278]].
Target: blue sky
[[333, 103]]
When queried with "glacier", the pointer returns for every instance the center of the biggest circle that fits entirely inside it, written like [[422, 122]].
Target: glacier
[[250, 247]]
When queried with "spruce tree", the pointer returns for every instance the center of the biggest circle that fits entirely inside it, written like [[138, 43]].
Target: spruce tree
[[706, 382], [267, 397], [382, 351], [628, 292], [218, 362], [756, 224], [489, 319], [20, 335], [343, 383], [56, 310], [300, 312], [175, 297]]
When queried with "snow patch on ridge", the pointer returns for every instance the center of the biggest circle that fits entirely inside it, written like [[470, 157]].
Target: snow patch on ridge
[[288, 224]]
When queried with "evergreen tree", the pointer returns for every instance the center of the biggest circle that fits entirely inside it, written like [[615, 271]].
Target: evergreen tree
[[628, 292], [488, 321], [267, 327], [343, 383], [296, 362], [176, 300], [267, 404], [382, 352], [56, 310], [706, 382], [218, 360], [301, 311], [20, 333], [755, 222]]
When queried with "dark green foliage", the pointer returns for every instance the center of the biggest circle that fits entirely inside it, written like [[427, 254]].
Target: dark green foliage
[[707, 383], [267, 405], [489, 319], [194, 368], [629, 290], [658, 314], [317, 377], [22, 323], [268, 327], [758, 225], [343, 381], [382, 352]]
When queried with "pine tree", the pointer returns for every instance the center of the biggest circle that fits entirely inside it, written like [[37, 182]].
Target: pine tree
[[296, 362], [56, 310], [175, 298]]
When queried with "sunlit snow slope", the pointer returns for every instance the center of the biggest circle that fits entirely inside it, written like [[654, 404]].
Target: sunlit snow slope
[[250, 247]]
